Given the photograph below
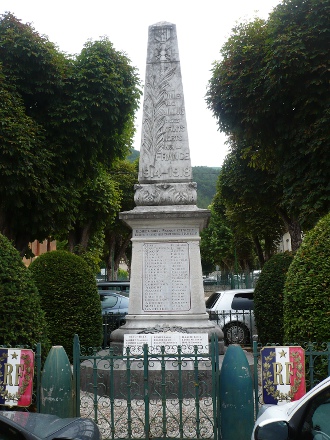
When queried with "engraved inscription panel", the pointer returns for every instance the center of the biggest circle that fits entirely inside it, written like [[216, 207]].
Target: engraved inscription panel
[[166, 286], [169, 340], [165, 232]]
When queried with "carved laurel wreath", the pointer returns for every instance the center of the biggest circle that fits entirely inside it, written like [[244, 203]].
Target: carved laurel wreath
[[269, 384], [26, 379]]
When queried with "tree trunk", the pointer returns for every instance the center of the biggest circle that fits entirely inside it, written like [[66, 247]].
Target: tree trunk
[[120, 252], [78, 237], [259, 251], [294, 229]]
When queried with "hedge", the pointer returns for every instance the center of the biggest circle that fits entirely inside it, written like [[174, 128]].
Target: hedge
[[22, 318], [69, 298], [268, 298], [307, 288]]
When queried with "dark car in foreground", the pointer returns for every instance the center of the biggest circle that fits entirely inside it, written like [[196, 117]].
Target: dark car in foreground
[[19, 425], [305, 419]]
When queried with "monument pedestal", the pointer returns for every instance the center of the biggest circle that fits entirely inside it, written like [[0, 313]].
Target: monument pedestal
[[166, 290]]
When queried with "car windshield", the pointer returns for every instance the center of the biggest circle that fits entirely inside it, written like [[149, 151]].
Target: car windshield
[[108, 301]]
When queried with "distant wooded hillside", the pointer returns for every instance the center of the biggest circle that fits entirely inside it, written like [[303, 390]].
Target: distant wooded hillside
[[205, 177]]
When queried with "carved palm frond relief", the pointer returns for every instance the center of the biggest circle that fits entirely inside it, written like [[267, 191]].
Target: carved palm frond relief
[[154, 115]]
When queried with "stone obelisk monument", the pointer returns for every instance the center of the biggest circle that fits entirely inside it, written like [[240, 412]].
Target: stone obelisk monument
[[166, 292]]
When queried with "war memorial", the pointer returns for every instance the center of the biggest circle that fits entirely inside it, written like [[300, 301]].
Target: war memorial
[[166, 292]]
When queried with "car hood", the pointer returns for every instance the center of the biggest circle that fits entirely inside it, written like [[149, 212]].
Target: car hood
[[275, 412]]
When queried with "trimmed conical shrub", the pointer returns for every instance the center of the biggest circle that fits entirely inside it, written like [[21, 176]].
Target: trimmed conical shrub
[[269, 296], [22, 318], [69, 298], [307, 288]]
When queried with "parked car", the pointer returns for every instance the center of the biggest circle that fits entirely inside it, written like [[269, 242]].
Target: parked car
[[305, 419], [21, 425], [114, 305], [113, 302], [233, 311], [209, 281], [117, 286]]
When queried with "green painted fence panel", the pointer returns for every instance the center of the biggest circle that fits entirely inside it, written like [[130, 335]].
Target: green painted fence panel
[[236, 396], [56, 384]]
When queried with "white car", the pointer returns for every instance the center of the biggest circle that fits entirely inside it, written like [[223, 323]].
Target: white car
[[305, 419], [233, 311]]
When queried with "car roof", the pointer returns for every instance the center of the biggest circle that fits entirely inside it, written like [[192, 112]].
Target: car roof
[[234, 291], [111, 293], [40, 425], [113, 283]]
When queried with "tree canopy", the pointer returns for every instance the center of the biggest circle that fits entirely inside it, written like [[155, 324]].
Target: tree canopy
[[270, 94], [66, 120]]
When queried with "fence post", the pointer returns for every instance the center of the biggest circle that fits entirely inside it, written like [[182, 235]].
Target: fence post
[[146, 391], [76, 376], [255, 376], [236, 396], [38, 359]]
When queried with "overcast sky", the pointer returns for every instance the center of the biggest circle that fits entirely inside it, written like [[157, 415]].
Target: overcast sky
[[202, 28]]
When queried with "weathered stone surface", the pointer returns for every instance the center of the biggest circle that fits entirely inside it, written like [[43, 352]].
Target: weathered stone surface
[[166, 194], [166, 286], [165, 154]]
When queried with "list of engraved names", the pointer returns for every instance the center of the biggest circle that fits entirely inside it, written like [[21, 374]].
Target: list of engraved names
[[166, 277]]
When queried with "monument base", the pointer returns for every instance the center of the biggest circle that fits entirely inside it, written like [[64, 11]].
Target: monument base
[[166, 286], [139, 324]]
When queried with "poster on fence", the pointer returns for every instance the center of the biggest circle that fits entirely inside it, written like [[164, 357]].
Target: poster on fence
[[282, 373], [16, 376]]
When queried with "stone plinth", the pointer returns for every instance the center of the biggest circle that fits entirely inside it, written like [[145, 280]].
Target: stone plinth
[[166, 289]]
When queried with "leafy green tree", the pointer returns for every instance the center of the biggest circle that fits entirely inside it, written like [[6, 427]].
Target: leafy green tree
[[22, 318], [269, 92], [307, 288], [251, 197], [222, 245], [117, 243], [269, 297], [69, 299], [217, 243], [80, 114]]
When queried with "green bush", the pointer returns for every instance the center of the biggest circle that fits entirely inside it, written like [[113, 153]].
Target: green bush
[[22, 318], [69, 298], [268, 298], [307, 288]]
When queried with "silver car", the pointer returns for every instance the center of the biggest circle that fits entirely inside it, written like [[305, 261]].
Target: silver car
[[305, 419], [233, 311]]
